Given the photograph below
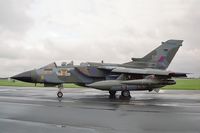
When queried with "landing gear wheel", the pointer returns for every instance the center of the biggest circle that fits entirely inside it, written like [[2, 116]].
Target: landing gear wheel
[[60, 94], [125, 94], [112, 94]]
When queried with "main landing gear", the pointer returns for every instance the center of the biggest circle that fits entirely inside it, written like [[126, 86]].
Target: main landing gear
[[125, 94], [112, 94], [60, 94]]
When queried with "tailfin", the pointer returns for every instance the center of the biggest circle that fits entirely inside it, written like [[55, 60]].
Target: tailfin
[[159, 58]]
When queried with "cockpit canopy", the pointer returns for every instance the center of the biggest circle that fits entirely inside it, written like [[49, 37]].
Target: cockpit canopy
[[54, 65], [49, 66]]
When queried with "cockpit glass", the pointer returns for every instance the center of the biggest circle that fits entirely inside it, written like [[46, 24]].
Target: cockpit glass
[[49, 66]]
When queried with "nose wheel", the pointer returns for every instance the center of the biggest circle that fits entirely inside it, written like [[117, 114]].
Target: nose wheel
[[60, 88], [60, 94]]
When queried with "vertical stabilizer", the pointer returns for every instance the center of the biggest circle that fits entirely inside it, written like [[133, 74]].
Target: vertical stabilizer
[[159, 58]]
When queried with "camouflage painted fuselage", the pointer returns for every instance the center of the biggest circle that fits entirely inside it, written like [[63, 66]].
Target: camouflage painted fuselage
[[145, 73]]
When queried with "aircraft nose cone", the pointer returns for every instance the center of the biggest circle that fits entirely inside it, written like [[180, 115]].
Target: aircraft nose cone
[[25, 76]]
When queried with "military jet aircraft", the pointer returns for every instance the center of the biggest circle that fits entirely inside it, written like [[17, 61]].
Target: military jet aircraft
[[147, 73]]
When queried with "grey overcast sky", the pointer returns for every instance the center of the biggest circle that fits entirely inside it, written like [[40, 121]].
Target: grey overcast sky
[[37, 32]]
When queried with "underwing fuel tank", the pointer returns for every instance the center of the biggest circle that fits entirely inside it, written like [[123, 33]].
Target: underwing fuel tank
[[147, 82], [105, 84]]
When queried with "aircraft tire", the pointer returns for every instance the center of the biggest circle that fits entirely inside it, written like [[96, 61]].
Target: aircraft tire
[[60, 94], [112, 93], [126, 93]]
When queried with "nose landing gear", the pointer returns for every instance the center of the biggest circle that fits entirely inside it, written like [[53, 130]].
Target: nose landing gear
[[60, 94], [60, 88]]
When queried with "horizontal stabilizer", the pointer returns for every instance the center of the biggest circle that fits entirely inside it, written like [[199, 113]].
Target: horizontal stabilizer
[[178, 74], [136, 59]]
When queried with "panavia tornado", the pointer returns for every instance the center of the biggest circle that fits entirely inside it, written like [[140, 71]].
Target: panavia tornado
[[141, 74]]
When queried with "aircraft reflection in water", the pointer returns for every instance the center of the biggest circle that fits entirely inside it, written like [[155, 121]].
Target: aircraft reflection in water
[[147, 73]]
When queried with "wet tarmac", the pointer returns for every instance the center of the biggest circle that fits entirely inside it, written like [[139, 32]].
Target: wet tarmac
[[84, 110]]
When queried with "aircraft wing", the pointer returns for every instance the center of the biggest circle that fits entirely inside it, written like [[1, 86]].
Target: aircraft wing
[[157, 72]]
